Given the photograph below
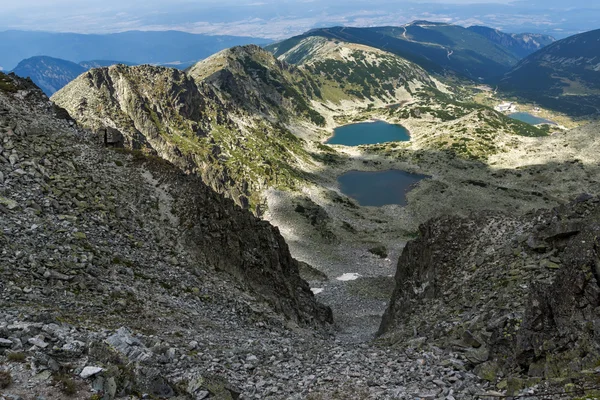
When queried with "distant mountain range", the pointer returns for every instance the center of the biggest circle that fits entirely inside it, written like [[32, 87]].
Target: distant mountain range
[[477, 53], [52, 74], [437, 47], [564, 75], [164, 47], [520, 44]]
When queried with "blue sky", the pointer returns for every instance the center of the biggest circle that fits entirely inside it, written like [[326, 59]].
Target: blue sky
[[282, 18]]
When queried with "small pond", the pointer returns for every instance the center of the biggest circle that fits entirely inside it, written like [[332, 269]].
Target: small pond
[[369, 133], [378, 188], [530, 119]]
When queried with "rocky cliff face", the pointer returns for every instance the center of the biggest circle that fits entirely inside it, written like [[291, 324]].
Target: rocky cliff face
[[518, 296], [95, 239]]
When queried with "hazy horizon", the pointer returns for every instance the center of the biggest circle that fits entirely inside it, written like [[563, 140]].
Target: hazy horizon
[[279, 19]]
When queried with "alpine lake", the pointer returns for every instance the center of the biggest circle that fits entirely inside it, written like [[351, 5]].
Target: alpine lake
[[374, 188]]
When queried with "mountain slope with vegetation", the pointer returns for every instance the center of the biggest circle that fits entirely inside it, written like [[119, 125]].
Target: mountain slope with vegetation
[[251, 79], [520, 44], [564, 75], [436, 47], [228, 117], [356, 72]]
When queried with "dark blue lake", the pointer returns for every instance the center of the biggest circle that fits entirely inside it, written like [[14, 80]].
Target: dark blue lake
[[369, 133], [530, 119], [378, 188]]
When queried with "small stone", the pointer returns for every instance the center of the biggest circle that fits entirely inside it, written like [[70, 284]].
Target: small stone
[[5, 343], [549, 264], [10, 204], [470, 339], [90, 371], [110, 387], [79, 235], [478, 356], [38, 341], [202, 395], [171, 353]]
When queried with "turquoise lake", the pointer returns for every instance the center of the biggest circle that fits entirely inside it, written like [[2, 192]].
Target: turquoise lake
[[530, 119], [369, 133], [378, 188]]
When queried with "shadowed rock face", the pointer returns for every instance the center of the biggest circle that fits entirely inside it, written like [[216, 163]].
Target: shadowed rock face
[[233, 240], [513, 293]]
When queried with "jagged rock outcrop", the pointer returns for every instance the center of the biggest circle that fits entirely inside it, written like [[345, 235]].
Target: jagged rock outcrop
[[518, 295]]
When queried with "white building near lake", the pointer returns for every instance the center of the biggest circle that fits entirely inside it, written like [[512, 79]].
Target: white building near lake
[[506, 107]]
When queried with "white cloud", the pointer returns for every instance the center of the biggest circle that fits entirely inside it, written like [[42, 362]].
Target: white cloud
[[274, 18]]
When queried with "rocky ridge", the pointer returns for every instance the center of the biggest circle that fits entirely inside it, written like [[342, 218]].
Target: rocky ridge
[[164, 112], [518, 296]]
